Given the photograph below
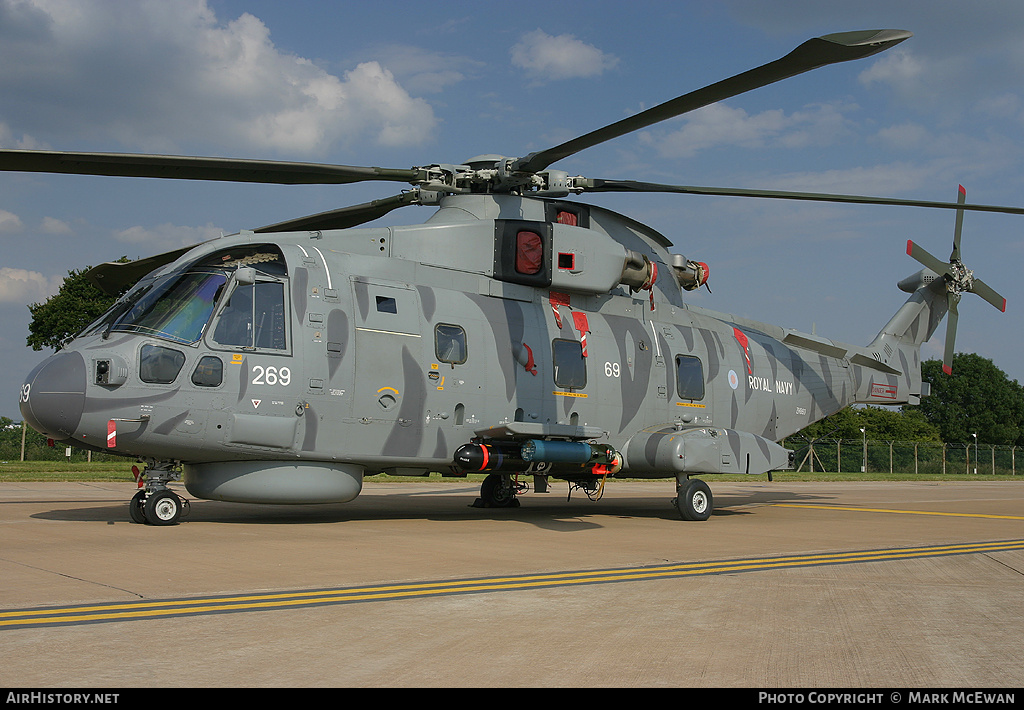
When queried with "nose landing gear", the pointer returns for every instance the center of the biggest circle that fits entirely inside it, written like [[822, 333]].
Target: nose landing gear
[[156, 504]]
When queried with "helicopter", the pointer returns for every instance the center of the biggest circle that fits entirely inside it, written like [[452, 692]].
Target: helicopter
[[515, 333]]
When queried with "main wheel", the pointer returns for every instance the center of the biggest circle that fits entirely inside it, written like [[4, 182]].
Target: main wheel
[[497, 492], [163, 508], [137, 508], [695, 501]]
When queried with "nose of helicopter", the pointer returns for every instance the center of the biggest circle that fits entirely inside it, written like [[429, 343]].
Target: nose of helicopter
[[53, 396]]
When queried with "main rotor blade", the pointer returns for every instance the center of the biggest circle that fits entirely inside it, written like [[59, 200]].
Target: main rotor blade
[[343, 218], [113, 276], [813, 53], [196, 168], [599, 185]]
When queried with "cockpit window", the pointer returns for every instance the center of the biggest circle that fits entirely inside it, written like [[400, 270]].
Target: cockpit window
[[178, 306], [254, 317]]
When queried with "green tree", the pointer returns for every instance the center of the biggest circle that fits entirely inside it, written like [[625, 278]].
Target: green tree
[[880, 424], [977, 398], [77, 304], [10, 439]]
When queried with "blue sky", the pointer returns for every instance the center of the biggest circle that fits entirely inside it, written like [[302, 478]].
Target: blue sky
[[399, 84]]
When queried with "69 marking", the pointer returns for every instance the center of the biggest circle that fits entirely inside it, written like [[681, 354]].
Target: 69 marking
[[611, 369], [271, 376]]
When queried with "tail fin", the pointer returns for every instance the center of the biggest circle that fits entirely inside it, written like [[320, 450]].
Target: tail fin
[[935, 291]]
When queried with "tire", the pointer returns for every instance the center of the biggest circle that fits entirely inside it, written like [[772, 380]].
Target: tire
[[695, 501], [496, 492], [163, 508], [137, 508]]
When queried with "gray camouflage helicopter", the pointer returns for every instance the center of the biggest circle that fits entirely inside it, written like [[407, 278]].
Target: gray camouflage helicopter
[[515, 333]]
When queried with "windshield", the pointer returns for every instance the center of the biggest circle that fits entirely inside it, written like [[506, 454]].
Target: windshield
[[176, 308]]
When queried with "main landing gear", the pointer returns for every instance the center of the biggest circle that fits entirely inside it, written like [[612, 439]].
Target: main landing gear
[[693, 499], [156, 504], [499, 491]]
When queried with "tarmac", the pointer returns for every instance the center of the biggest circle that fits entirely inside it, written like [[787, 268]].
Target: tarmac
[[788, 585]]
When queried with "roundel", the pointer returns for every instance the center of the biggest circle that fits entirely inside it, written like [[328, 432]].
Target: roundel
[[734, 380]]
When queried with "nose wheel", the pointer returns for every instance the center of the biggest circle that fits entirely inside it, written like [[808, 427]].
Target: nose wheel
[[159, 508], [156, 504]]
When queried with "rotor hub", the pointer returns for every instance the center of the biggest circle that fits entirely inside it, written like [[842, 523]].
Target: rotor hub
[[959, 278]]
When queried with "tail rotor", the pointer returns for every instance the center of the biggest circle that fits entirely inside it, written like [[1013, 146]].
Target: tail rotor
[[958, 279]]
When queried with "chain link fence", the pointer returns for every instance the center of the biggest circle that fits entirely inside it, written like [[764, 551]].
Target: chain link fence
[[923, 457]]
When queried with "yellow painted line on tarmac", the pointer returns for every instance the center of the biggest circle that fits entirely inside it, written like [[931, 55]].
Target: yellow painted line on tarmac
[[176, 608], [901, 512]]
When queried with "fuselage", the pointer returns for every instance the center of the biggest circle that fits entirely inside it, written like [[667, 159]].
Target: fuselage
[[385, 349]]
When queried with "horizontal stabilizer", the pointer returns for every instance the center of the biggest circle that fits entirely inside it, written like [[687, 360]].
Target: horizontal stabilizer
[[872, 363], [812, 342]]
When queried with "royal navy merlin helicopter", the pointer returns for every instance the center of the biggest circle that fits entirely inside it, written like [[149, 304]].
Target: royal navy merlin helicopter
[[515, 332]]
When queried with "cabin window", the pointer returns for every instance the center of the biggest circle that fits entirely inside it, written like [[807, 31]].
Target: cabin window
[[160, 365], [209, 372], [450, 343], [689, 377], [386, 304], [569, 364]]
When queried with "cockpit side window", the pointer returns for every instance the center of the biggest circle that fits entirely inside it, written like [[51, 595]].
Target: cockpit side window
[[254, 317]]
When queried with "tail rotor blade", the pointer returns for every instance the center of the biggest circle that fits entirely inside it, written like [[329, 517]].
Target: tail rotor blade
[[961, 198], [952, 317], [989, 294], [937, 265]]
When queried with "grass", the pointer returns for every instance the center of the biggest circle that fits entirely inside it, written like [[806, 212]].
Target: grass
[[60, 471]]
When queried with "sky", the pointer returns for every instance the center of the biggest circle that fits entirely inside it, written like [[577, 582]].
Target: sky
[[402, 84]]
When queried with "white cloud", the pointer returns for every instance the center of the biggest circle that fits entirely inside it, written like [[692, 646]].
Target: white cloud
[[722, 125], [899, 67], [425, 71], [561, 57], [905, 136], [890, 179], [26, 142], [9, 222], [167, 236], [156, 75], [23, 286], [52, 225]]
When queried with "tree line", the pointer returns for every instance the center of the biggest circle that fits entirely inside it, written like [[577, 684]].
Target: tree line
[[977, 398]]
